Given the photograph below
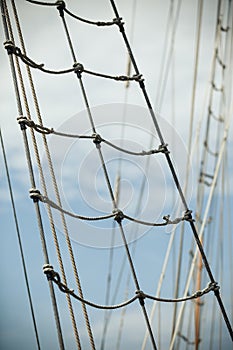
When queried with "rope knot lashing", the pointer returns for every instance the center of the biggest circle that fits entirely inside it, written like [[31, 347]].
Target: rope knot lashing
[[119, 215], [24, 121], [213, 286], [164, 148], [97, 139], [11, 48], [49, 271], [188, 216], [61, 6], [138, 77], [119, 22], [78, 68], [141, 296], [35, 194]]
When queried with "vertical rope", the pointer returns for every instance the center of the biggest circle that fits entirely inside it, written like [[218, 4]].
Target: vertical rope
[[53, 230], [32, 179]]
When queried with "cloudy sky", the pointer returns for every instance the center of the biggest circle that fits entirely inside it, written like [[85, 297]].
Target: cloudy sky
[[80, 176]]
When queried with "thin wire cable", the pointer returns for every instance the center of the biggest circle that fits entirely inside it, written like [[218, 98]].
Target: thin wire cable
[[20, 242], [77, 279], [205, 218], [98, 146], [172, 169], [32, 179], [53, 230]]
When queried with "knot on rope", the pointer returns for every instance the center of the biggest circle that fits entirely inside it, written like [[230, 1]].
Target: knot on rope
[[49, 271], [213, 286], [138, 77], [78, 68], [97, 139], [188, 216], [119, 215], [11, 48], [23, 121], [61, 6], [141, 296], [35, 194], [163, 148], [118, 21], [55, 277]]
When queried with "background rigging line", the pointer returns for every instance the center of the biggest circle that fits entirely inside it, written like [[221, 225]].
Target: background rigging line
[[187, 170], [173, 172], [202, 229], [20, 243], [209, 226]]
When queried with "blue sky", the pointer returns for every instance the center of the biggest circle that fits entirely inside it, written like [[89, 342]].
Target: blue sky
[[80, 176]]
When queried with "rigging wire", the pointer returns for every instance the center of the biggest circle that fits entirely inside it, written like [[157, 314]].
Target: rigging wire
[[119, 219], [53, 230], [20, 243], [32, 179], [108, 183], [173, 172]]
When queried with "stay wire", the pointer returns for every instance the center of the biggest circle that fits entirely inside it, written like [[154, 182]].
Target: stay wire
[[173, 172], [32, 179], [20, 242], [98, 146], [69, 245], [53, 230]]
